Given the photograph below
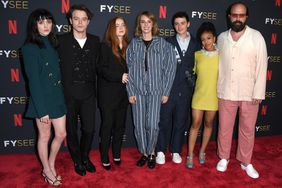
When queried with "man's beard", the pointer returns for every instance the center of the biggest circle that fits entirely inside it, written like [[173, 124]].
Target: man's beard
[[237, 26]]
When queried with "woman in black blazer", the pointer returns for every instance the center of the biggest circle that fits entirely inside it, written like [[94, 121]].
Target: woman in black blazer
[[112, 95], [47, 103]]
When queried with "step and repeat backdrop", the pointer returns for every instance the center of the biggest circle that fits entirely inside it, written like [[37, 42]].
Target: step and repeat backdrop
[[18, 134]]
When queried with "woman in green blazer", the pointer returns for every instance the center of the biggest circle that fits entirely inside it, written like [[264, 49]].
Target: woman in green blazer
[[46, 104]]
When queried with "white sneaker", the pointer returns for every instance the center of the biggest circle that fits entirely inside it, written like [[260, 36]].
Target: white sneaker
[[160, 159], [176, 158], [250, 170], [222, 165]]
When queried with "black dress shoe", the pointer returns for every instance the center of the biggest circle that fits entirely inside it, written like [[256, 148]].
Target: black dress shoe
[[89, 166], [79, 169], [151, 161], [107, 166], [142, 161]]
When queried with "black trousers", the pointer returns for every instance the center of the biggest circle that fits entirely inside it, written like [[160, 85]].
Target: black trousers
[[113, 126], [174, 113], [79, 147]]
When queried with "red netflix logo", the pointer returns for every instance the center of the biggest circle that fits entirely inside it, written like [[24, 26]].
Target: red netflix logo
[[278, 3], [162, 14], [18, 120], [273, 38], [15, 75], [263, 110], [12, 25], [269, 75], [65, 6]]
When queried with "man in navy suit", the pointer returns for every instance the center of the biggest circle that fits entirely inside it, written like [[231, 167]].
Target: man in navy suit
[[176, 111]]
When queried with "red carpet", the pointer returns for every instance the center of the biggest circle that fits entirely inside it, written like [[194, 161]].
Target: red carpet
[[23, 170]]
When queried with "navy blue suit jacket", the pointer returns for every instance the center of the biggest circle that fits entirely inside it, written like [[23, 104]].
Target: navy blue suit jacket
[[184, 77]]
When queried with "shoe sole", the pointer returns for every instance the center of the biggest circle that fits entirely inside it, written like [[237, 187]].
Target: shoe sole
[[160, 163], [244, 168], [221, 170], [177, 162]]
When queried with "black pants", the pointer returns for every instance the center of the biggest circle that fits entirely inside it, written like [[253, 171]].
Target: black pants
[[113, 125], [86, 109]]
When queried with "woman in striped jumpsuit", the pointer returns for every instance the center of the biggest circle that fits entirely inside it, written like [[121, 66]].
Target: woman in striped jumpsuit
[[152, 65]]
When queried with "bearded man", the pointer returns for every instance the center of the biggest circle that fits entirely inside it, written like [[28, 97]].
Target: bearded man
[[241, 85]]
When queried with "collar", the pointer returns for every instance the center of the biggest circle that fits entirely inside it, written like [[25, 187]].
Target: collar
[[183, 39], [210, 53], [155, 39]]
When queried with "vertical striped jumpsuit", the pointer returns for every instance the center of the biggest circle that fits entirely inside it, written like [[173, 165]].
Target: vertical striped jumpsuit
[[149, 86]]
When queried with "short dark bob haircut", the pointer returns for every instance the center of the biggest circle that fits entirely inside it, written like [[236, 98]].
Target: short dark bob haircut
[[33, 35]]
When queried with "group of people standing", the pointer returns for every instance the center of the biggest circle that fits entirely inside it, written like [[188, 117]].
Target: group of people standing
[[161, 79]]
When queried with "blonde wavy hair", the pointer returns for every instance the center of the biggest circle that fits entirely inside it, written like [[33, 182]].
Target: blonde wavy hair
[[155, 28]]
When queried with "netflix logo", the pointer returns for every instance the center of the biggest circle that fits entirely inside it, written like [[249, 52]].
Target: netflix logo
[[18, 120], [65, 6], [269, 75], [162, 12], [15, 75], [278, 3], [263, 110], [12, 25], [273, 38]]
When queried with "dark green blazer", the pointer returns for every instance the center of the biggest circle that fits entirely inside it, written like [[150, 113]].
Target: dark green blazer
[[44, 81]]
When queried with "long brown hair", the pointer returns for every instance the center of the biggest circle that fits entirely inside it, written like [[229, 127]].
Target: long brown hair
[[112, 40], [155, 29]]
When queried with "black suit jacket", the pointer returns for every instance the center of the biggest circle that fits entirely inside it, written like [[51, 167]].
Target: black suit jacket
[[66, 50], [111, 91]]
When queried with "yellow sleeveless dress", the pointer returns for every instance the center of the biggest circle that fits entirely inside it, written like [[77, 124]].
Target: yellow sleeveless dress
[[206, 70]]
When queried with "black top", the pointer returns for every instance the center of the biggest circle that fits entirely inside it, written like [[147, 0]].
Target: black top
[[147, 44], [82, 71], [111, 91]]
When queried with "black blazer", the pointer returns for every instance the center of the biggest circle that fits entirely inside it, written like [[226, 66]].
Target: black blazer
[[66, 50], [184, 77], [111, 91]]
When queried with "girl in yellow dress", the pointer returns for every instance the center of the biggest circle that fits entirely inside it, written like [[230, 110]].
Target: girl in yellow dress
[[204, 101]]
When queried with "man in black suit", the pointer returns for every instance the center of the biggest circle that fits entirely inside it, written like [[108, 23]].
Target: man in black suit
[[176, 111], [79, 52]]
